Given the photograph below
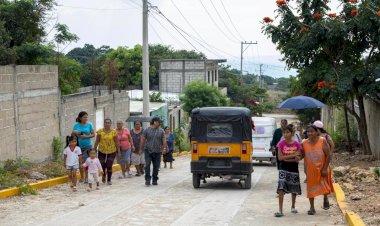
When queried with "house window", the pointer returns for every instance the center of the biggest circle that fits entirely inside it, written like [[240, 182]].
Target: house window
[[216, 75], [208, 76]]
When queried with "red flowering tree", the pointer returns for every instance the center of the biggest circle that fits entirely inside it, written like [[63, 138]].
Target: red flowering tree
[[340, 49]]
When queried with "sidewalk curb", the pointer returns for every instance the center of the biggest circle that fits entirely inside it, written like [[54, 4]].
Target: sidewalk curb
[[352, 218], [58, 180]]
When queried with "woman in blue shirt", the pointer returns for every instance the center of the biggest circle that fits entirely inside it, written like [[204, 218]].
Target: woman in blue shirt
[[85, 131], [168, 156]]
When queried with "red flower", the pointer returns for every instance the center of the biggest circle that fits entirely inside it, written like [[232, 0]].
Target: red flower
[[267, 19], [354, 12], [353, 1], [304, 29], [378, 13], [317, 16], [331, 84], [332, 14], [321, 84], [280, 2]]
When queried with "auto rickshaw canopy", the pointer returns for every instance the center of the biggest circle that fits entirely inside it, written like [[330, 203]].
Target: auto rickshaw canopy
[[221, 124]]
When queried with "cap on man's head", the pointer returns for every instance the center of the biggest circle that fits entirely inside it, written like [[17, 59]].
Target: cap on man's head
[[318, 124]]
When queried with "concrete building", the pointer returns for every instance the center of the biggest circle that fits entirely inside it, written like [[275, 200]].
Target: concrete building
[[155, 109], [176, 74]]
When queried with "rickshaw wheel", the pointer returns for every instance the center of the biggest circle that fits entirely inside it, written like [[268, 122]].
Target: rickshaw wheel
[[196, 180], [248, 181]]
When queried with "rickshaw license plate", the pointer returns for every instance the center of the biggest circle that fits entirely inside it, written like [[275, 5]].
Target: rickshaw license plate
[[218, 150]]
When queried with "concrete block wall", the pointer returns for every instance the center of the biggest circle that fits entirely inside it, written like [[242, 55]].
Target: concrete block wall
[[171, 82], [115, 106], [71, 105], [7, 114], [30, 128], [372, 109]]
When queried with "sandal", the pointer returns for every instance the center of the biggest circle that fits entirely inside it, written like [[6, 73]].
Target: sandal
[[326, 205], [293, 210], [311, 212], [278, 214], [75, 188]]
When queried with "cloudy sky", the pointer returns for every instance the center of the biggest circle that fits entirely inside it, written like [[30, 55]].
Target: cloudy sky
[[216, 27]]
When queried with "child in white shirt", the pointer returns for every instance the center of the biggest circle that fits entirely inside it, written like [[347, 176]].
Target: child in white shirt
[[72, 160]]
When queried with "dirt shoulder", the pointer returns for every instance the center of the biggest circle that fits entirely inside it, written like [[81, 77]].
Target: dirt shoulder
[[357, 177]]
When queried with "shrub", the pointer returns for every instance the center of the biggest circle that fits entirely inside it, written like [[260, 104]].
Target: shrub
[[377, 171], [57, 148], [26, 189], [181, 140]]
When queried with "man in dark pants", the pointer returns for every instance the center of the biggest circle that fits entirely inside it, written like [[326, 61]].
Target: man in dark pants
[[277, 137], [153, 143]]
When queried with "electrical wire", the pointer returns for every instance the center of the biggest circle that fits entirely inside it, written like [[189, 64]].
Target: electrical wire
[[98, 9], [216, 24], [225, 25], [187, 21], [169, 32], [154, 30], [229, 17]]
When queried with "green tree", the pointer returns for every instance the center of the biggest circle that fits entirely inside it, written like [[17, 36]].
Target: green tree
[[69, 75], [201, 94], [156, 97], [340, 50], [241, 94], [22, 30], [87, 53]]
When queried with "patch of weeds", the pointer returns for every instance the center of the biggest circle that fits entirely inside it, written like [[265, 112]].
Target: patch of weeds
[[53, 169], [57, 148], [377, 171], [14, 166], [26, 189], [9, 180]]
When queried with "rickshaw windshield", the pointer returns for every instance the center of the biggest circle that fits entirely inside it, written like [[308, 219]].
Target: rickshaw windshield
[[219, 130]]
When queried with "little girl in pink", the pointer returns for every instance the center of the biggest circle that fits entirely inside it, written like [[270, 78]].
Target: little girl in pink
[[94, 166]]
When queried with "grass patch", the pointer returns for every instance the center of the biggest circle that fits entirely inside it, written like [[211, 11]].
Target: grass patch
[[26, 189], [377, 171], [15, 173], [53, 169]]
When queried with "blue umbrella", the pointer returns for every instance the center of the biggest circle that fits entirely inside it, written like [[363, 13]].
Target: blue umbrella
[[301, 102]]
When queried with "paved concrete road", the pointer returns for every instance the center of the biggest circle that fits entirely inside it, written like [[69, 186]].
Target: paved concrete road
[[172, 202]]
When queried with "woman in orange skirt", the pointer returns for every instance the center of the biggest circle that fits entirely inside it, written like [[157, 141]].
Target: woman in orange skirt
[[317, 159]]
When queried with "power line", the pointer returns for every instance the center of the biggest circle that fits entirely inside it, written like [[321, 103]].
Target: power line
[[169, 32], [99, 9], [221, 1], [225, 25], [180, 30], [212, 19], [187, 21], [154, 30]]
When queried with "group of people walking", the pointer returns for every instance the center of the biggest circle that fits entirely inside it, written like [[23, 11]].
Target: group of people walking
[[139, 147], [316, 148]]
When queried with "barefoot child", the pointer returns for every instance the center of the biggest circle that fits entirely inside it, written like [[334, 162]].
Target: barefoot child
[[94, 166], [289, 155], [72, 159]]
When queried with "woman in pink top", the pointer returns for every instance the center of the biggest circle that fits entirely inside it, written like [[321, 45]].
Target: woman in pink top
[[125, 141]]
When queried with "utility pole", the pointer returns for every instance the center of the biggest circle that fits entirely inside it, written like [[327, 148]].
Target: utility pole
[[261, 77], [241, 54], [145, 63]]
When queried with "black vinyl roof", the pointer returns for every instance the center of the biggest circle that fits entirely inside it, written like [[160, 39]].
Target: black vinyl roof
[[222, 111]]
